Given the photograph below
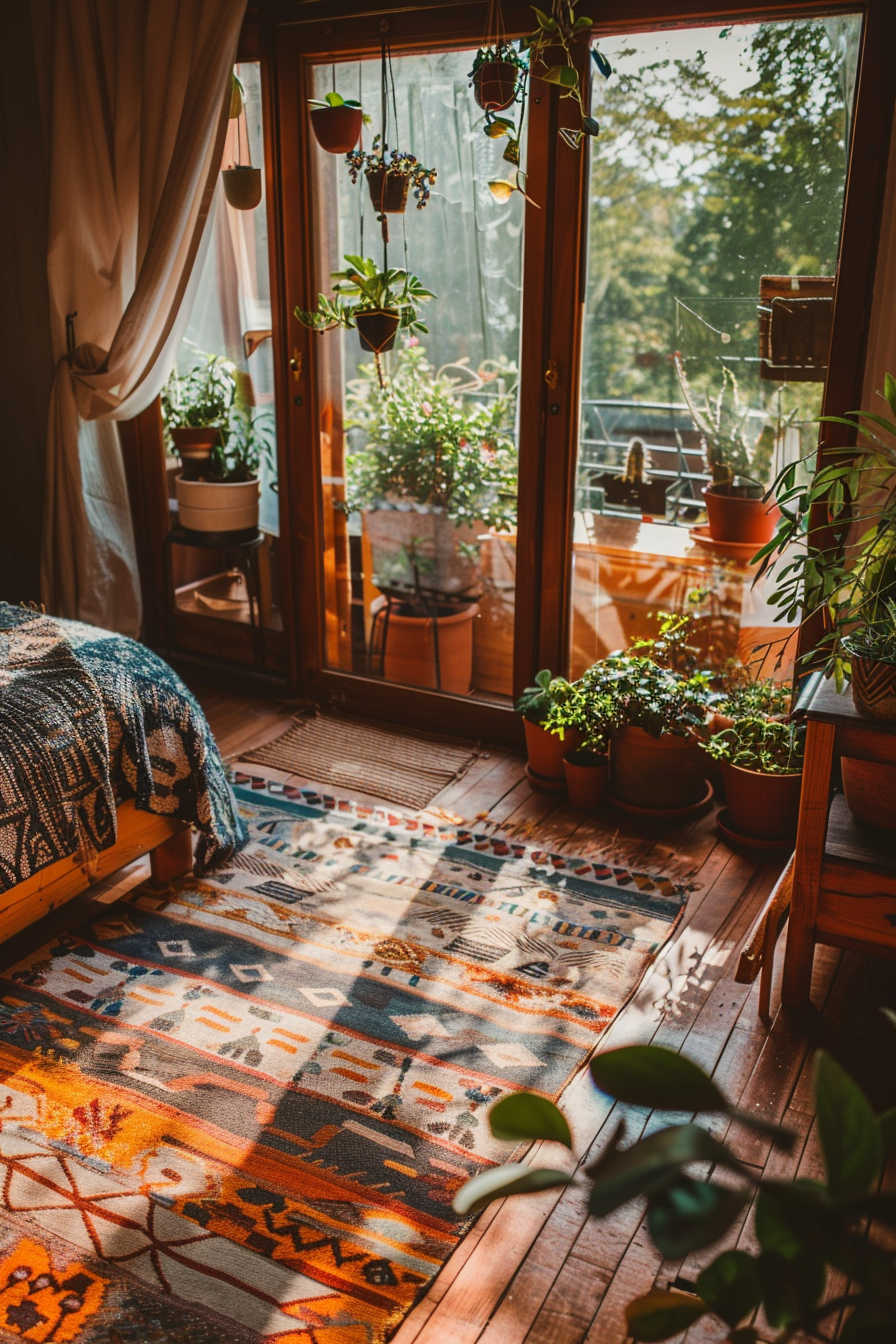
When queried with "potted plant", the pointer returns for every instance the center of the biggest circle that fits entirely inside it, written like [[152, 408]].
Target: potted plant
[[377, 303], [632, 487], [761, 762], [497, 75], [196, 408], [548, 735], [430, 474], [242, 182], [391, 175], [739, 462], [556, 35], [336, 122]]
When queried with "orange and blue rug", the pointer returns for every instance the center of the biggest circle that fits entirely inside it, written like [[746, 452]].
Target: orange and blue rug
[[238, 1108]]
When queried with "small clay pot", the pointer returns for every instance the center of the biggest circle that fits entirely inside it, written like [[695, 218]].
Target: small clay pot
[[337, 129], [495, 84], [378, 328], [194, 447], [546, 750], [667, 772], [586, 778], [738, 518], [388, 191], [760, 806], [242, 186], [873, 686]]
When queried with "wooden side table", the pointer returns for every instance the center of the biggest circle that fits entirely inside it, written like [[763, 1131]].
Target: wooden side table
[[844, 880]]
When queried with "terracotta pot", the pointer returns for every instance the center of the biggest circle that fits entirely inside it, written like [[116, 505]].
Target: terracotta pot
[[388, 191], [378, 328], [337, 129], [764, 807], [656, 772], [738, 519], [586, 778], [873, 686], [546, 750], [494, 85], [410, 652], [242, 186], [194, 446], [870, 792]]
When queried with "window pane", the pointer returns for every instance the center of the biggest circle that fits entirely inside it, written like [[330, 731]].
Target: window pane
[[716, 199], [419, 454]]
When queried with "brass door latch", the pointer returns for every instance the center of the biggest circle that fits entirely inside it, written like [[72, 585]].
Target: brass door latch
[[552, 374], [296, 363]]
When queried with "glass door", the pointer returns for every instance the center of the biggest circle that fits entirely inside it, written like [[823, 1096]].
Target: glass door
[[417, 429], [717, 189]]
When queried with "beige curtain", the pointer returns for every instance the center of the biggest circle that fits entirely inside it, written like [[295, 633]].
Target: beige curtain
[[135, 99]]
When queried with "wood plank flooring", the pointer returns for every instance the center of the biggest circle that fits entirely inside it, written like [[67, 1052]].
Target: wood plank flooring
[[538, 1270]]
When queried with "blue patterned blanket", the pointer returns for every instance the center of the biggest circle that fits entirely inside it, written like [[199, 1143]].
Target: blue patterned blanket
[[88, 717]]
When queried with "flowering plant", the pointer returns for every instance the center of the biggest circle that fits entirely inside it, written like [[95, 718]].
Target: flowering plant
[[421, 443], [396, 162]]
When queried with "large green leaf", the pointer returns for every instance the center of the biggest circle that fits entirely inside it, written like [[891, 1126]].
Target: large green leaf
[[850, 1137], [524, 1115], [645, 1167], [890, 391], [791, 1287], [658, 1316], [688, 1215], [651, 1075], [564, 75], [514, 1178], [731, 1286], [791, 1215]]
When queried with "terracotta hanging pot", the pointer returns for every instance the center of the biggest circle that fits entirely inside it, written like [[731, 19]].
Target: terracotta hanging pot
[[760, 806], [495, 85], [739, 518], [194, 446], [377, 328], [661, 773], [546, 751], [388, 191], [337, 129], [873, 686], [586, 778], [242, 186], [410, 648]]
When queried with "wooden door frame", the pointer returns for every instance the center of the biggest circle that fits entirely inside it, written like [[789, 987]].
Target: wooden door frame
[[298, 34]]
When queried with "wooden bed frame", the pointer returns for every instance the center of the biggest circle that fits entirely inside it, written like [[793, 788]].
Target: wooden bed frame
[[167, 841]]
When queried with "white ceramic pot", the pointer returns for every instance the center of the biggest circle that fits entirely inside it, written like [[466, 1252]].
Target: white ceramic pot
[[217, 506]]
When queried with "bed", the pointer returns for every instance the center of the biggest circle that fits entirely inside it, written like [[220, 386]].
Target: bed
[[104, 756]]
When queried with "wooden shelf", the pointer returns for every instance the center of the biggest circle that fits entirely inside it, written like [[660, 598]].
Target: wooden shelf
[[858, 844]]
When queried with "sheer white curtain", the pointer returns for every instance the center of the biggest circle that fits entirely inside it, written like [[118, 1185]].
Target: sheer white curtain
[[134, 99]]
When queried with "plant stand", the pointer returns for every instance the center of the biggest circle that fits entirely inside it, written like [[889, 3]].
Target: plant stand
[[438, 612], [844, 879]]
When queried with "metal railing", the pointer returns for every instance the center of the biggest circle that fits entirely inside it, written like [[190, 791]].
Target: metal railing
[[669, 437]]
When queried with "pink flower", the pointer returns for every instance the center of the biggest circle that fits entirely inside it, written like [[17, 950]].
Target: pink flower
[[426, 408], [413, 340]]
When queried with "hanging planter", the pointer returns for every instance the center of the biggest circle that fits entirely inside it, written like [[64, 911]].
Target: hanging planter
[[336, 122], [392, 175], [377, 328], [388, 191], [498, 76], [242, 182]]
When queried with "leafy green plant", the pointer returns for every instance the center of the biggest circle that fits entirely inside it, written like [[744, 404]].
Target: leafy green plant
[[875, 642], [203, 396], [335, 99], [537, 701], [363, 288], [733, 454], [804, 1229], [555, 35], [249, 441], [745, 697], [422, 442], [396, 163], [646, 695], [769, 747], [845, 569]]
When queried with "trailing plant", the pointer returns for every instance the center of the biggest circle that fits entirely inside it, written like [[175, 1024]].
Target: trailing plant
[[733, 454], [201, 397], [422, 442], [767, 746], [844, 568], [396, 162], [556, 35], [501, 51], [537, 701], [744, 697], [805, 1229], [362, 288]]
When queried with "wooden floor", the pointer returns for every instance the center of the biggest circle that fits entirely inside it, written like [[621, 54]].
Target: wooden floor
[[538, 1269]]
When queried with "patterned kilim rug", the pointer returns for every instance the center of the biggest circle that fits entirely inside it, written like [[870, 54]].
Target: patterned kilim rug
[[237, 1108], [396, 765]]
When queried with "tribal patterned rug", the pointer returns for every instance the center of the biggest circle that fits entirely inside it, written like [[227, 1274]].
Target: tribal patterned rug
[[237, 1108]]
